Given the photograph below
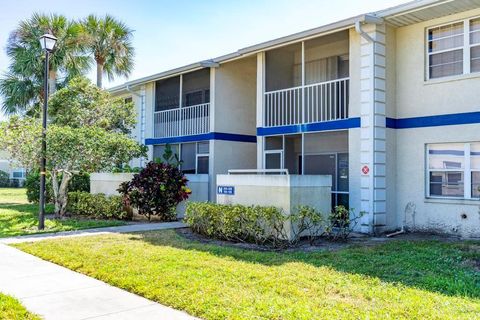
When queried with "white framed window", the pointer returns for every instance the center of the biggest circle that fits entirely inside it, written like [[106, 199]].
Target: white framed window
[[453, 49], [18, 174], [453, 170], [195, 156], [203, 157]]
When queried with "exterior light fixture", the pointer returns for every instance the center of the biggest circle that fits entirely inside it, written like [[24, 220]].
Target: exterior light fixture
[[47, 42]]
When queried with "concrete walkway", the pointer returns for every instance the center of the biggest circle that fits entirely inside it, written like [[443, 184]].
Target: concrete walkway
[[55, 292], [96, 231]]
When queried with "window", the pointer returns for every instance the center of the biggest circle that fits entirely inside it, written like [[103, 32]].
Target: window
[[454, 170], [454, 49], [167, 94], [18, 174], [197, 97], [128, 100], [194, 156], [188, 157]]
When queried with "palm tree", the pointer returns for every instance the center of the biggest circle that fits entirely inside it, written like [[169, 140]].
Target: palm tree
[[109, 41], [21, 86]]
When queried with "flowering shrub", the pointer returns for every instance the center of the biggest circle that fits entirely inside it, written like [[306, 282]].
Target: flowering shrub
[[156, 191]]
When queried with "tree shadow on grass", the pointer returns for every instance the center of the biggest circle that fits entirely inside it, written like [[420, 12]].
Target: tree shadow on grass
[[22, 219], [448, 268]]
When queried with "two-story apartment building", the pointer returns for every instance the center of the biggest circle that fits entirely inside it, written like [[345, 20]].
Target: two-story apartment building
[[385, 103]]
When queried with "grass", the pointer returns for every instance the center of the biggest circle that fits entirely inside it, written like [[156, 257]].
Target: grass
[[395, 280], [18, 217], [10, 309]]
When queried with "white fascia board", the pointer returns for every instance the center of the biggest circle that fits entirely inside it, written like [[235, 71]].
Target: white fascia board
[[300, 36], [283, 41], [409, 7]]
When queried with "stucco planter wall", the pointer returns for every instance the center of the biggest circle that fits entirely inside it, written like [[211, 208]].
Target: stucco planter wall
[[286, 192], [108, 184]]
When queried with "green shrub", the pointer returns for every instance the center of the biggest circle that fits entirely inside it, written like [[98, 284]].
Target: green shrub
[[268, 225], [97, 206], [79, 182], [4, 179], [256, 224]]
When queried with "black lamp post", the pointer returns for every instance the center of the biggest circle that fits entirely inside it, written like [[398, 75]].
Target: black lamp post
[[47, 42]]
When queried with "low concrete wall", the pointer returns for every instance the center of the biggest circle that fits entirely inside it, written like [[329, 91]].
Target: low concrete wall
[[286, 192], [199, 184], [108, 184]]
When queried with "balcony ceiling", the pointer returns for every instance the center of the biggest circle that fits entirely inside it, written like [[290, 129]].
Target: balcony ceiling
[[419, 11]]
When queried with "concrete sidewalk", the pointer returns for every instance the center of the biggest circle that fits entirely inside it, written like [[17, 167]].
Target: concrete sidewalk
[[55, 292], [96, 231]]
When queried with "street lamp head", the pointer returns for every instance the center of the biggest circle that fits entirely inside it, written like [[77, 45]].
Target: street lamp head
[[47, 41]]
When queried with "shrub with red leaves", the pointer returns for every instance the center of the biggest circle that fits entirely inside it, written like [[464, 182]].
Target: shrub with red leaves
[[156, 191]]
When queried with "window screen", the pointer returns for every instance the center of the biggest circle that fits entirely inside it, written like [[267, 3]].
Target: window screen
[[188, 158], [202, 164], [454, 170], [445, 49]]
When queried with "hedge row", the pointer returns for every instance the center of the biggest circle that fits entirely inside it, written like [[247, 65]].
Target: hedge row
[[261, 225], [268, 225], [97, 206]]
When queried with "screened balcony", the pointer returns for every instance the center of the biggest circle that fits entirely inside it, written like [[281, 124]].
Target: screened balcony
[[307, 82], [182, 105]]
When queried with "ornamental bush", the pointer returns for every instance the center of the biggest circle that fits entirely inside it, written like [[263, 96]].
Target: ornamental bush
[[156, 191], [97, 206]]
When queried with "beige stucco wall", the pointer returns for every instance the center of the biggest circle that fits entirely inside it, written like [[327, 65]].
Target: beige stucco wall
[[354, 134], [417, 97], [235, 97], [391, 134], [442, 215], [226, 155]]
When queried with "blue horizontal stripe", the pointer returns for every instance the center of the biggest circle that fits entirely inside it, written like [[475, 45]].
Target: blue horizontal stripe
[[203, 137], [434, 121], [311, 127]]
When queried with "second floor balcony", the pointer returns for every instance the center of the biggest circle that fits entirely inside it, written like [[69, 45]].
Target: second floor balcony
[[186, 121], [319, 102], [307, 82], [182, 105]]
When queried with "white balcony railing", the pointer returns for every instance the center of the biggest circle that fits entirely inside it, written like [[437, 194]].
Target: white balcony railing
[[325, 101], [184, 121]]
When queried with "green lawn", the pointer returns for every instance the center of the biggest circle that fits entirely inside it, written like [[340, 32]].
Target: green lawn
[[11, 309], [18, 217], [394, 280]]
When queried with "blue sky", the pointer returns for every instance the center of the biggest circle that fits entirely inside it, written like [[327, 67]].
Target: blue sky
[[173, 33]]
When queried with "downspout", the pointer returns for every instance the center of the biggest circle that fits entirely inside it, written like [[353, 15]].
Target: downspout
[[370, 19], [142, 117]]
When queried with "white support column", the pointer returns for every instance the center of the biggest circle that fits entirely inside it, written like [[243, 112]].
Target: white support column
[[143, 120], [212, 100], [180, 102], [303, 82], [260, 105], [373, 129], [212, 177]]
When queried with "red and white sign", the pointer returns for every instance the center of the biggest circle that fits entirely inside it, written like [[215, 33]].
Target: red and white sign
[[365, 169]]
